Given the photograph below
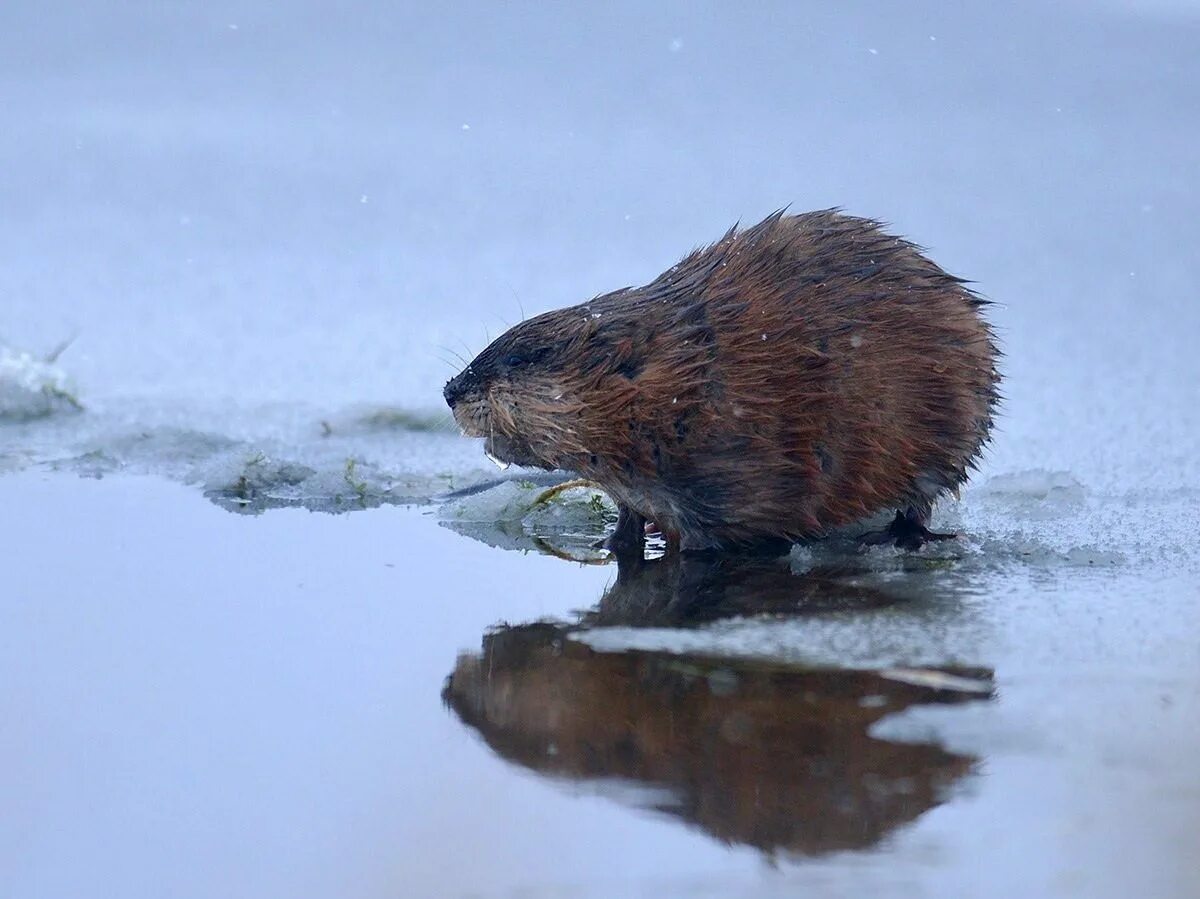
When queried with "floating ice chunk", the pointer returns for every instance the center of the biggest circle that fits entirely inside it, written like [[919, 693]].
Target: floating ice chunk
[[532, 501], [938, 680], [528, 514], [249, 473], [33, 388], [249, 480], [1037, 485]]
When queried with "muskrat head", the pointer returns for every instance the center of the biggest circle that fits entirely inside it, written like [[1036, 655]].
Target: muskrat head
[[517, 393]]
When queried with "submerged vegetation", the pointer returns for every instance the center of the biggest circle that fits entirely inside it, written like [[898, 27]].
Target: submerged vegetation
[[392, 418]]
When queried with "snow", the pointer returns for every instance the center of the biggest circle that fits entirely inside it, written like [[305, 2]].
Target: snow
[[32, 388]]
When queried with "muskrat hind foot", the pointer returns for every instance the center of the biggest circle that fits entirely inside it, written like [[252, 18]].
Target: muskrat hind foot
[[907, 531]]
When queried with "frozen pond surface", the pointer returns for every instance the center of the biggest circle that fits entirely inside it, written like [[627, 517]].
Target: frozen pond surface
[[251, 222], [269, 232]]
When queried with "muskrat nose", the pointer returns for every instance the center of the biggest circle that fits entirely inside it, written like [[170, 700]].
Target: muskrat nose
[[456, 388]]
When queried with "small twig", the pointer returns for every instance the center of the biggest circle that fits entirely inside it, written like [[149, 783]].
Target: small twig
[[52, 356], [546, 495]]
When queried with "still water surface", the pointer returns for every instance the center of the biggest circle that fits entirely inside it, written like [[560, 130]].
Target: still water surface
[[205, 704]]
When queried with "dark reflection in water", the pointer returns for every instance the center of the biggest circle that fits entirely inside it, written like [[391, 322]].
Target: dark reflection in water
[[764, 753], [692, 589]]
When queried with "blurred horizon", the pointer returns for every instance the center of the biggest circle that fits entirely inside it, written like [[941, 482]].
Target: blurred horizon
[[319, 206]]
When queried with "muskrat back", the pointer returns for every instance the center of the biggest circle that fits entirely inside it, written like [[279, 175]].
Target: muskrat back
[[793, 377]]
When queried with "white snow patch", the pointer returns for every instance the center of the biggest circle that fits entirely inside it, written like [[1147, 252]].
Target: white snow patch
[[32, 388]]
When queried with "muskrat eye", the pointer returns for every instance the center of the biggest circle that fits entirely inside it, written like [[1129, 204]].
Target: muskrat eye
[[523, 358]]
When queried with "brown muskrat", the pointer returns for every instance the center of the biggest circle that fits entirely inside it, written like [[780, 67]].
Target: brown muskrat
[[789, 379]]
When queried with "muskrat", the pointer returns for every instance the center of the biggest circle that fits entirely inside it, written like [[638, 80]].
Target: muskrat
[[792, 378]]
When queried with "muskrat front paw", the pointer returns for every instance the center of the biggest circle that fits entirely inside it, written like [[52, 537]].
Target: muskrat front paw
[[629, 537]]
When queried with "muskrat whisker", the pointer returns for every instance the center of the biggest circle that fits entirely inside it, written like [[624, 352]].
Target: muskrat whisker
[[61, 347], [517, 297], [457, 355], [444, 422]]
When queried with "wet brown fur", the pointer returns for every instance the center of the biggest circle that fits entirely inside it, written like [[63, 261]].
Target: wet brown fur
[[791, 378]]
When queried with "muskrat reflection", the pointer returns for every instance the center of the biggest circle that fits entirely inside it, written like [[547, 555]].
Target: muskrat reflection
[[762, 753], [692, 588]]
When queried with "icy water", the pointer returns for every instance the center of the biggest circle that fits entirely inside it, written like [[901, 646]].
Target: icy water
[[203, 704], [268, 234]]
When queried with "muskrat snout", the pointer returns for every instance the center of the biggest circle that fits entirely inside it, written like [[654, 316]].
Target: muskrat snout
[[465, 395], [511, 388], [467, 388], [454, 390]]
